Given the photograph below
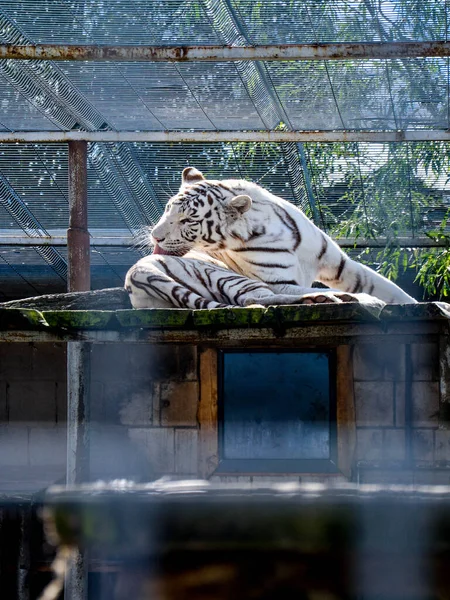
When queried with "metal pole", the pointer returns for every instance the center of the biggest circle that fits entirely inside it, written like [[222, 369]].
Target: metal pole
[[78, 245], [418, 135], [211, 53], [78, 353]]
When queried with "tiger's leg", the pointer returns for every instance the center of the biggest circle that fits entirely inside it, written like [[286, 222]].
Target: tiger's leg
[[167, 282], [309, 295], [339, 271], [149, 287]]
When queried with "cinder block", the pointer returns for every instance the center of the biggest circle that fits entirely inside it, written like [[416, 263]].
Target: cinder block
[[394, 444], [425, 403], [154, 363], [48, 446], [442, 448], [15, 360], [137, 408], [186, 443], [121, 362], [32, 401], [13, 445], [114, 455], [379, 362], [114, 394], [369, 444], [374, 402], [48, 361], [97, 402], [179, 404], [425, 362], [158, 445], [187, 367], [110, 362], [423, 444]]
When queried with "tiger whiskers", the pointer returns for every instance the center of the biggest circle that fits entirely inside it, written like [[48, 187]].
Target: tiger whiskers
[[142, 240]]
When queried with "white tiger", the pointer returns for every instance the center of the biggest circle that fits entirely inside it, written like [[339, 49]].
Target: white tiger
[[222, 243]]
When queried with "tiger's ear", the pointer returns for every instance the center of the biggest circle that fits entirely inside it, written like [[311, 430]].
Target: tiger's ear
[[191, 175], [241, 203]]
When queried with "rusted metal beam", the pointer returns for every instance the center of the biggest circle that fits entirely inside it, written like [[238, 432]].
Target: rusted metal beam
[[79, 279], [419, 135], [128, 241], [272, 52]]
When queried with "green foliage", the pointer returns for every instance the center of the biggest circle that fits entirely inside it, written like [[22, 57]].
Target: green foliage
[[389, 191]]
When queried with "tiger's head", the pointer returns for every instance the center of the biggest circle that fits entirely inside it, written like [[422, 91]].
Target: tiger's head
[[203, 215]]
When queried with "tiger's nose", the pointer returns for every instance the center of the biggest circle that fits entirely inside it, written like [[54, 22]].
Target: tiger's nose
[[158, 239]]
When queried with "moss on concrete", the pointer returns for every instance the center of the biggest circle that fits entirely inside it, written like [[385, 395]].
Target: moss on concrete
[[233, 317], [283, 315], [153, 317], [21, 318], [80, 319]]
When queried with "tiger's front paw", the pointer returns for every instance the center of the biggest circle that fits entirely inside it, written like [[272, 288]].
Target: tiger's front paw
[[327, 297], [330, 297]]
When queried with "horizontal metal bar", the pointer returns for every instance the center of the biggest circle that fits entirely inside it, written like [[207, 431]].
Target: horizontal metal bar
[[418, 135], [343, 51], [61, 240], [129, 241]]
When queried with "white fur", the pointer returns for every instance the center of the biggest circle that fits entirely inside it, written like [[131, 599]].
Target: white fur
[[290, 251]]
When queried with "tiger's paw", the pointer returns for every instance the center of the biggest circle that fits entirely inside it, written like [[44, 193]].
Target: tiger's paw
[[326, 298], [336, 297]]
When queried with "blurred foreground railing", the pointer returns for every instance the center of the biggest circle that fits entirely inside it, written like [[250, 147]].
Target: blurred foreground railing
[[181, 540]]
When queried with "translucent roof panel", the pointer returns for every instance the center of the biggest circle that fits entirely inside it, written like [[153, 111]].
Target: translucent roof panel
[[375, 95], [318, 21], [132, 96], [152, 22], [364, 94], [191, 21]]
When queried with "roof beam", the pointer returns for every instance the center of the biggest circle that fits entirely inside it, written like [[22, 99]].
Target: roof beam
[[274, 52], [417, 135]]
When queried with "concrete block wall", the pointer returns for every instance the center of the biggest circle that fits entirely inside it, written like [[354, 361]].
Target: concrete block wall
[[143, 412], [145, 417], [32, 414], [397, 413], [144, 402]]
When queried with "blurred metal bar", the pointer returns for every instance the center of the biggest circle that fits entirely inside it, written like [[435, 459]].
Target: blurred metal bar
[[78, 379], [78, 449], [419, 135], [273, 52], [129, 242]]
